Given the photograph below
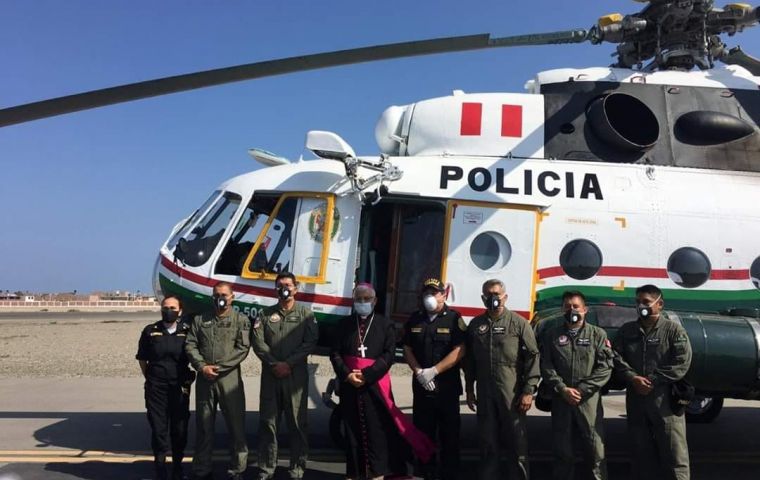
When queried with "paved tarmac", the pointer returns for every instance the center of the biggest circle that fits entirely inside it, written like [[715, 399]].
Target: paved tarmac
[[95, 428]]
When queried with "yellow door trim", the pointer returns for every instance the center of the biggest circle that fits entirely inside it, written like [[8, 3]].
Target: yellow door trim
[[326, 239]]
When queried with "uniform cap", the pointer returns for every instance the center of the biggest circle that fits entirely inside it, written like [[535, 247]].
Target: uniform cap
[[433, 283]]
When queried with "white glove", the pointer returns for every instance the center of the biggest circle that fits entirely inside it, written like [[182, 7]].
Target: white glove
[[430, 386], [426, 375]]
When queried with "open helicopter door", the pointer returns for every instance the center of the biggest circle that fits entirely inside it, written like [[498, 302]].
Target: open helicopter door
[[490, 240]]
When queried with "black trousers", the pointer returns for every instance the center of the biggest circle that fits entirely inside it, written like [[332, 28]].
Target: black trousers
[[438, 416], [168, 413]]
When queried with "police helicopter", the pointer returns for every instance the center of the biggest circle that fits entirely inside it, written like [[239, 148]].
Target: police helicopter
[[595, 179]]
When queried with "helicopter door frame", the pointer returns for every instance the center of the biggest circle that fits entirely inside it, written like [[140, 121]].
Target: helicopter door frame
[[321, 277], [495, 223]]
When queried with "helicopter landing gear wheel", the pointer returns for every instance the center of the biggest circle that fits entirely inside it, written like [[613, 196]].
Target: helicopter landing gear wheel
[[704, 409]]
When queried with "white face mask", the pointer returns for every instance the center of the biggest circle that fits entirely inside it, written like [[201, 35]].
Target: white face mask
[[430, 303], [363, 309]]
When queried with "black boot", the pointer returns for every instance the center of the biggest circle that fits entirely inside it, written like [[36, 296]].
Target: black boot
[[159, 465], [177, 473]]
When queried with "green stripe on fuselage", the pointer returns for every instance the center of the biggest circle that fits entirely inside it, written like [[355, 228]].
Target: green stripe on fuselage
[[675, 299]]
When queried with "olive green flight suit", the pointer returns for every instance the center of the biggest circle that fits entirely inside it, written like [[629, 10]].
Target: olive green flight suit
[[584, 362], [284, 336], [663, 355], [502, 363], [222, 341]]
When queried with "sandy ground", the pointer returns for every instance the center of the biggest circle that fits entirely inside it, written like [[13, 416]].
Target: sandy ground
[[72, 344]]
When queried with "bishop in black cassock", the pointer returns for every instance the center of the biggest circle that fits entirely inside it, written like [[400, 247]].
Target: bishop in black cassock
[[374, 445]]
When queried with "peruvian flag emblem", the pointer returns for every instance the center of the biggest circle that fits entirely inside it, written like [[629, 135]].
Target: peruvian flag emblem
[[472, 120]]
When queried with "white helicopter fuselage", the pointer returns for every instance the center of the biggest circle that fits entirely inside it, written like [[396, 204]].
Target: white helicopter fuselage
[[542, 225]]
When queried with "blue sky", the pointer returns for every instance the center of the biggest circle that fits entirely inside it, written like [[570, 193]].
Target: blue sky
[[88, 198]]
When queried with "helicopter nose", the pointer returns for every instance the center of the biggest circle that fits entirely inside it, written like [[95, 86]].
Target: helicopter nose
[[156, 281]]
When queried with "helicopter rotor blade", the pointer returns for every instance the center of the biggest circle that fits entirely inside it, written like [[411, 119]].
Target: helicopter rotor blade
[[736, 56], [220, 76]]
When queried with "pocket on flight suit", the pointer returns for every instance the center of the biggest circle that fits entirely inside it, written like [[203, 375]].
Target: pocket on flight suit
[[245, 338], [507, 348]]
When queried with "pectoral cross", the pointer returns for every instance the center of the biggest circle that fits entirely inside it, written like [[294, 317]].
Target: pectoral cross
[[362, 350]]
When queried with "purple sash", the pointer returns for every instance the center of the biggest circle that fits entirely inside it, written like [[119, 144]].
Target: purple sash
[[421, 444]]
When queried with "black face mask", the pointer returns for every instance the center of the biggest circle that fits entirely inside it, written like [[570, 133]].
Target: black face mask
[[220, 303], [492, 302], [643, 311], [283, 293], [573, 316], [168, 315]]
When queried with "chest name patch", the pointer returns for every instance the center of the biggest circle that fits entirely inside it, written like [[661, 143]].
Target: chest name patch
[[585, 342], [416, 329], [155, 334], [443, 330], [653, 341]]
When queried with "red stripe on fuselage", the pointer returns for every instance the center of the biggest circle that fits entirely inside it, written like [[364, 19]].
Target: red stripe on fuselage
[[252, 290], [643, 272], [475, 311]]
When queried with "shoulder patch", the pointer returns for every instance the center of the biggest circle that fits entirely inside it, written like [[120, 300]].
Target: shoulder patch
[[461, 324], [607, 343], [257, 323]]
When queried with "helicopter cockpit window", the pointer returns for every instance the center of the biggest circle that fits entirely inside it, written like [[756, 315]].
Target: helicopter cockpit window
[[243, 238], [191, 221], [754, 273], [195, 248], [689, 267], [293, 239], [580, 259]]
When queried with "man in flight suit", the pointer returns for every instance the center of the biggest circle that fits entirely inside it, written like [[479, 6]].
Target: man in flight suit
[[576, 362], [502, 361], [433, 346], [652, 354], [283, 336], [217, 344]]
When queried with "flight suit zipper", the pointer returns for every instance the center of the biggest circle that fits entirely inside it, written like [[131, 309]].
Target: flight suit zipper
[[572, 362]]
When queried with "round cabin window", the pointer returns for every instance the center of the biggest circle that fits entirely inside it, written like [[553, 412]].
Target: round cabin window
[[580, 259], [490, 251], [754, 273], [689, 267]]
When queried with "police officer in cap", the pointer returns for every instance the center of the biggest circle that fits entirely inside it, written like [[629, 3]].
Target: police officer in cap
[[164, 364], [433, 346], [653, 353], [576, 362], [501, 372], [283, 336]]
